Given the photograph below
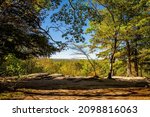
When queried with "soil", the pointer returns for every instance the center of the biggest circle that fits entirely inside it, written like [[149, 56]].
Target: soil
[[50, 87]]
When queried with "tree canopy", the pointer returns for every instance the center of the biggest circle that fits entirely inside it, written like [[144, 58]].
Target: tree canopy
[[20, 28], [120, 28], [123, 32]]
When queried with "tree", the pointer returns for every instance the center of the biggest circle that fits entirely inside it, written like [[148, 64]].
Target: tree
[[135, 31], [82, 50], [21, 32], [117, 32], [107, 31], [73, 16], [76, 14], [105, 40]]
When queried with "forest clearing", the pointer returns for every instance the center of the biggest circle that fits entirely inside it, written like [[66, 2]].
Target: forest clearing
[[112, 36], [58, 87]]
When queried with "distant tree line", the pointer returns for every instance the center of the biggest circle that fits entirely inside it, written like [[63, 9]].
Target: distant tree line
[[72, 67]]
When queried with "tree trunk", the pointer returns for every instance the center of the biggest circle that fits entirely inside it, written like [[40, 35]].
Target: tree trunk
[[129, 69], [141, 70], [136, 64], [110, 74], [136, 69], [112, 58], [136, 56]]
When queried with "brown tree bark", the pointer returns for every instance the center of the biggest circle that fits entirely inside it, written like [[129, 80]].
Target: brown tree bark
[[112, 58], [129, 68], [110, 74], [136, 63], [141, 70], [135, 53]]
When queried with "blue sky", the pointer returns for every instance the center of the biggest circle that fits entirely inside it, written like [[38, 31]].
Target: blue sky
[[68, 53]]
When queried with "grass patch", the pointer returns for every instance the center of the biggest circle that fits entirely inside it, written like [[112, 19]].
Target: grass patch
[[11, 95]]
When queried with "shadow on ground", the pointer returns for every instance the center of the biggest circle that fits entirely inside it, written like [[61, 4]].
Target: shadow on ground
[[81, 88]]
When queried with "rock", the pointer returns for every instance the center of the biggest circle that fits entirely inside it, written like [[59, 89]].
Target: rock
[[59, 78], [35, 75], [67, 76], [56, 75]]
